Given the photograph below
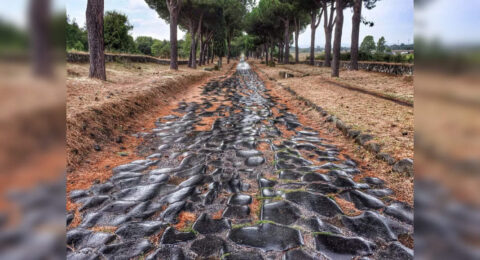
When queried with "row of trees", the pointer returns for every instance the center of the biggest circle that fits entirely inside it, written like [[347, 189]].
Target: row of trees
[[273, 22], [218, 27], [214, 29]]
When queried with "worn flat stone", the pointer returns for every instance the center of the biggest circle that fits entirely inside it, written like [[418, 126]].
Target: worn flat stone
[[138, 193], [297, 254], [167, 252], [317, 203], [205, 225], [208, 246], [127, 249], [131, 167], [401, 212], [396, 251], [248, 153], [139, 229], [171, 236], [281, 212], [370, 225], [237, 212], [267, 237], [243, 256], [324, 188], [289, 175], [313, 176], [239, 199], [363, 201], [254, 161], [354, 246]]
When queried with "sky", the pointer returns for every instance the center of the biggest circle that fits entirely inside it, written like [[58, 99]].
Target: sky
[[394, 19]]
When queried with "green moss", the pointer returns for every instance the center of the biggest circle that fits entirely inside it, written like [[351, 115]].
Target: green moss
[[225, 255], [322, 233], [259, 222]]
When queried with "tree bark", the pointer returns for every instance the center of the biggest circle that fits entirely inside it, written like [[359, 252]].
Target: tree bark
[[40, 33], [356, 19], [95, 39], [266, 54], [174, 10], [297, 33], [287, 41], [229, 40], [328, 28], [337, 43], [313, 27]]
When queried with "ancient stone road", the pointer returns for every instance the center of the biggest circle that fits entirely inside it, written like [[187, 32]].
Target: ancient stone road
[[260, 185]]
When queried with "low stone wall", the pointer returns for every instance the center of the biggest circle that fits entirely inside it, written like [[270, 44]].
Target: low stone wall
[[79, 57], [389, 68]]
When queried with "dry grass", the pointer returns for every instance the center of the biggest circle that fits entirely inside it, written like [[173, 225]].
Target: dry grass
[[99, 111], [391, 124], [368, 164], [106, 229], [185, 220], [218, 214], [255, 208], [347, 207]]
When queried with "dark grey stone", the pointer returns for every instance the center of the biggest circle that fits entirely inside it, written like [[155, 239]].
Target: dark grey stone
[[369, 225], [171, 236], [205, 225], [343, 245], [267, 237], [317, 203], [208, 246], [281, 212]]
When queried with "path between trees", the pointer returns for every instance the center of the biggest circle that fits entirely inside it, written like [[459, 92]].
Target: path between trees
[[235, 175]]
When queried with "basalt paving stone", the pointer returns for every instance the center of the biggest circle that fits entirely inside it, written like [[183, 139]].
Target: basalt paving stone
[[380, 193], [315, 224], [400, 211], [254, 161], [396, 251], [248, 153], [266, 183], [297, 254], [313, 176], [281, 212], [138, 193], [267, 237], [317, 203], [208, 246], [205, 225], [82, 254], [374, 181], [81, 238], [131, 167], [206, 172], [351, 246], [172, 211], [289, 175], [126, 250], [236, 212], [139, 229], [239, 199], [362, 200], [171, 236], [324, 188], [370, 225], [92, 202], [242, 256], [167, 252]]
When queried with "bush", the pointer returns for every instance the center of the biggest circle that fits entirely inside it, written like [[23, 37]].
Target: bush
[[271, 63], [216, 67]]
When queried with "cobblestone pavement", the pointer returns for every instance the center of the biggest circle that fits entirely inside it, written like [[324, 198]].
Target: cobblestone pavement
[[256, 183]]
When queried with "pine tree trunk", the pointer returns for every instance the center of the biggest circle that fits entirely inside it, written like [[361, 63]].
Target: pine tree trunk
[[228, 49], [174, 10], [313, 29], [95, 39], [297, 33], [287, 42], [337, 43], [201, 51], [356, 19], [328, 48], [266, 54], [40, 38]]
